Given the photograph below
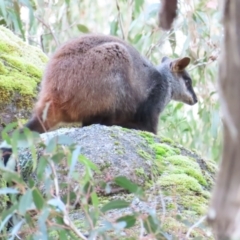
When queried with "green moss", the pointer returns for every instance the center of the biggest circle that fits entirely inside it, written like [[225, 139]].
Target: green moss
[[173, 225], [159, 151], [104, 166], [211, 166], [177, 150], [3, 198], [185, 165], [113, 135], [180, 183], [21, 68], [144, 154], [147, 182], [149, 137], [118, 148], [3, 70], [164, 150], [22, 65], [120, 151], [5, 47], [171, 205], [195, 203], [139, 172], [166, 140], [126, 130]]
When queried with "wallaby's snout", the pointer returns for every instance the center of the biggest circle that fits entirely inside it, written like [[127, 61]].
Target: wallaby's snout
[[195, 100], [188, 94], [192, 101]]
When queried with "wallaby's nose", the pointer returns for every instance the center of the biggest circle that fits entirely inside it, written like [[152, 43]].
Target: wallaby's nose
[[195, 100]]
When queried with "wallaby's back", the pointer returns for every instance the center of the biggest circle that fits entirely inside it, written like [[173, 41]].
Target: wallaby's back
[[91, 75]]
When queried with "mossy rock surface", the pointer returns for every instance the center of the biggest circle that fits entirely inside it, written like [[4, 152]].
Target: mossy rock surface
[[169, 173], [21, 69]]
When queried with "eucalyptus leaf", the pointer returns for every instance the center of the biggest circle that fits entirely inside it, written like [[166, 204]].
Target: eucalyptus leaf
[[115, 204]]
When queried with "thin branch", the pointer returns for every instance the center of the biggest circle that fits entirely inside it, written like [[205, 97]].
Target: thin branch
[[163, 207], [66, 218], [49, 28], [160, 42], [142, 228], [55, 179], [69, 223], [120, 20], [194, 226]]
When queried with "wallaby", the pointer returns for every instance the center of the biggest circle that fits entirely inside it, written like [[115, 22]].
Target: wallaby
[[102, 79]]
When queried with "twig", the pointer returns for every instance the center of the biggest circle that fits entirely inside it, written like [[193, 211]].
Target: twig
[[119, 20], [199, 64], [55, 179], [142, 228], [163, 207], [195, 225], [162, 39], [159, 43], [66, 218], [69, 223], [50, 29]]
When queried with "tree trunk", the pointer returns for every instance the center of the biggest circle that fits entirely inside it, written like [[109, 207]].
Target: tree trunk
[[224, 211], [167, 13]]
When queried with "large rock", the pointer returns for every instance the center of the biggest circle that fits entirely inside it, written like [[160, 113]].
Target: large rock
[[21, 68], [171, 175]]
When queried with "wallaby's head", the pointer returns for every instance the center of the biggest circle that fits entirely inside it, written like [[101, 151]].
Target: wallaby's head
[[179, 79]]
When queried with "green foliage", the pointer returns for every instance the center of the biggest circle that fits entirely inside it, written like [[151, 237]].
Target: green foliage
[[128, 185], [38, 207]]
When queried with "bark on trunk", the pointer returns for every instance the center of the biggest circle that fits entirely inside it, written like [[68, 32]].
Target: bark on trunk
[[224, 211], [167, 13]]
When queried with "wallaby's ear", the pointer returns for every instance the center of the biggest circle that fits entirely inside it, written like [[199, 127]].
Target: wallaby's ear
[[180, 64], [164, 59]]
